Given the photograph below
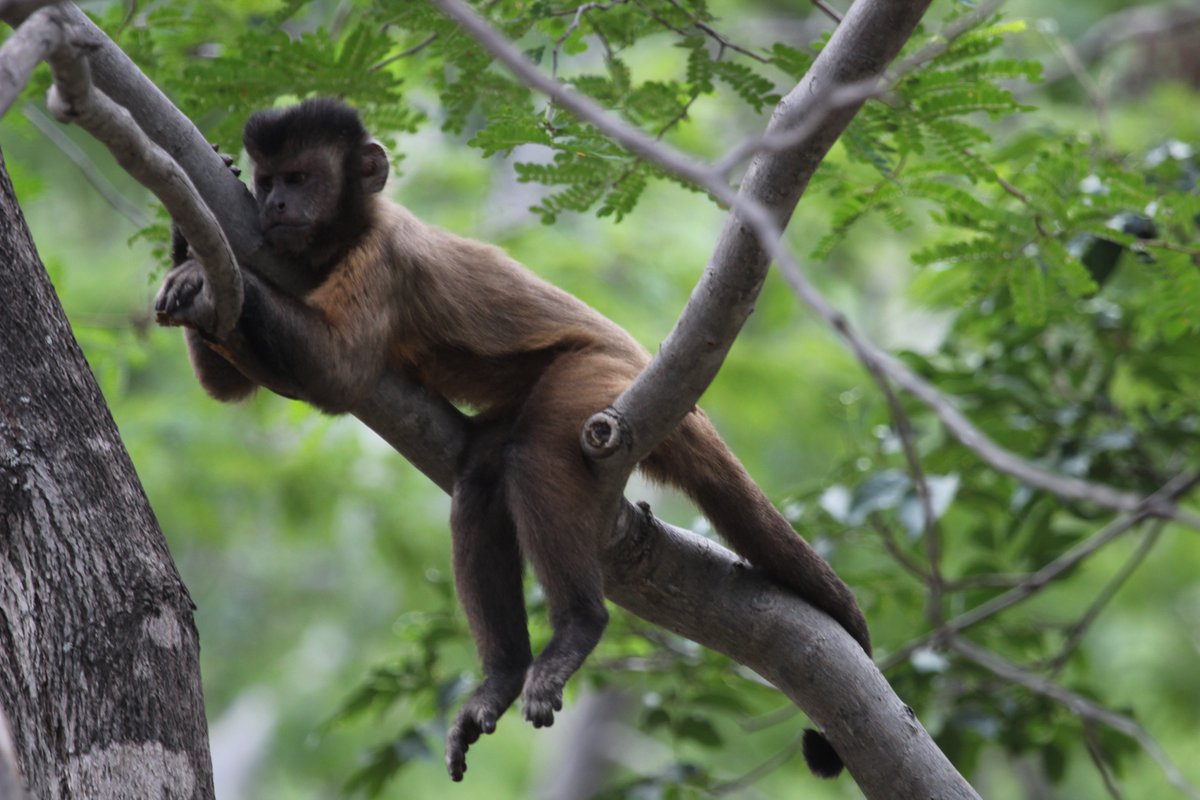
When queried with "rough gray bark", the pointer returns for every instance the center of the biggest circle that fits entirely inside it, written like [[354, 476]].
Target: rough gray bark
[[654, 570], [99, 657]]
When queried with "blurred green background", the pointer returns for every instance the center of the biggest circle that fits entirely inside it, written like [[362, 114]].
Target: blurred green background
[[319, 559]]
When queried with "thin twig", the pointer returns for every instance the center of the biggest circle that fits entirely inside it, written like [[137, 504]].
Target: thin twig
[[1080, 628], [929, 529], [87, 167], [723, 41], [1078, 705], [1071, 58], [828, 10], [575, 23], [994, 581], [1045, 576], [1097, 753], [821, 105], [835, 98], [963, 429], [902, 558], [412, 51], [762, 770], [628, 136], [946, 37], [1137, 24], [769, 719]]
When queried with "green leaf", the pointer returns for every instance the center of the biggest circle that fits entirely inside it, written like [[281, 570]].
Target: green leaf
[[881, 491], [1027, 284], [942, 489], [792, 61], [755, 90], [699, 729]]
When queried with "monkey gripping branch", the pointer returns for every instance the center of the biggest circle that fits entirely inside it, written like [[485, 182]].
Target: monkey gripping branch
[[666, 575]]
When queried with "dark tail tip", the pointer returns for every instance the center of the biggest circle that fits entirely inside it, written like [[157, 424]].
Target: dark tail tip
[[822, 759]]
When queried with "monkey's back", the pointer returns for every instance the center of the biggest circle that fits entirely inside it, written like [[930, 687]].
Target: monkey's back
[[479, 327]]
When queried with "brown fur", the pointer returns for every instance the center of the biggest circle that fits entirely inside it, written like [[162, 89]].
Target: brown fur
[[535, 362]]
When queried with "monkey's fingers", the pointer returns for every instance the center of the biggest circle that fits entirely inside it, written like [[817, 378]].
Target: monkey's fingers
[[169, 298], [178, 291], [227, 159]]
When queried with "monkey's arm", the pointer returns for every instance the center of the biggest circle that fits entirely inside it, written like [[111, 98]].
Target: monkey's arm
[[298, 350], [220, 378]]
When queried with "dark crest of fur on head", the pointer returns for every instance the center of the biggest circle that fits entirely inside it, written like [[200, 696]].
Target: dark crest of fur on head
[[317, 122]]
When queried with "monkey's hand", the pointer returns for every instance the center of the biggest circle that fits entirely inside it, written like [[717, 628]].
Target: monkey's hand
[[184, 299], [478, 716], [227, 159]]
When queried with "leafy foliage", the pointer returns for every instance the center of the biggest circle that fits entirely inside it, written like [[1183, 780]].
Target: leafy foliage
[[1061, 254]]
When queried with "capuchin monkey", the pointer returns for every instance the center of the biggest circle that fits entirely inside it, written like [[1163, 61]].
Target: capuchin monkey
[[372, 290]]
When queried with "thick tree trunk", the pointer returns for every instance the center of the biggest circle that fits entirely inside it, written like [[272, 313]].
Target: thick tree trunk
[[99, 657]]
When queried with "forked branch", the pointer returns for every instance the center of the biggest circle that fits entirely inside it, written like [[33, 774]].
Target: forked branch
[[48, 34]]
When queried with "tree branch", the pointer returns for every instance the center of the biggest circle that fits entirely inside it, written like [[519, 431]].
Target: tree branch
[[649, 568], [74, 99], [1065, 486], [1131, 25], [691, 355], [689, 358], [652, 569], [20, 54]]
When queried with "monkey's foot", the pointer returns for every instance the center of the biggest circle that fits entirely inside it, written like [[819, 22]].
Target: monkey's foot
[[542, 695], [477, 717]]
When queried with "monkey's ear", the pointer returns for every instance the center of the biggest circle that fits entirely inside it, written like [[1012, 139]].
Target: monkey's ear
[[374, 167]]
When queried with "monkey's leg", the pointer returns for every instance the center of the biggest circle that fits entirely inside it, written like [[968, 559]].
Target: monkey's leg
[[487, 572], [562, 549], [560, 518]]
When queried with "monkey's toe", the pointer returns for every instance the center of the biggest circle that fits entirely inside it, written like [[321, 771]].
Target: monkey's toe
[[539, 714], [456, 764], [539, 703], [458, 741]]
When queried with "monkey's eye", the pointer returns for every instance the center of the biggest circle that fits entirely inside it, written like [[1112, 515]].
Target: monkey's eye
[[264, 183], [295, 178]]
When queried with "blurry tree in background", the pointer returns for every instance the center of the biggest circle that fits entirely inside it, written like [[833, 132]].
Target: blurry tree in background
[[1025, 247]]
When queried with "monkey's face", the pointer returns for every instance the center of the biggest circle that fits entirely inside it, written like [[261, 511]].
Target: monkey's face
[[297, 197]]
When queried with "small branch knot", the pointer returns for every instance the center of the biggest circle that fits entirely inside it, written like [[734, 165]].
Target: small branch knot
[[60, 107], [604, 433]]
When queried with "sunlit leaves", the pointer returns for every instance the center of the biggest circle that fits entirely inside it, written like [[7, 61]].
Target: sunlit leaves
[[212, 83], [891, 491]]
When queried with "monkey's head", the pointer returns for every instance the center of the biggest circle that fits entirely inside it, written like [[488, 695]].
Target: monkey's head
[[315, 166]]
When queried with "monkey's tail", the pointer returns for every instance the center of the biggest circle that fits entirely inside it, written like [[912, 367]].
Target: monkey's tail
[[697, 461]]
